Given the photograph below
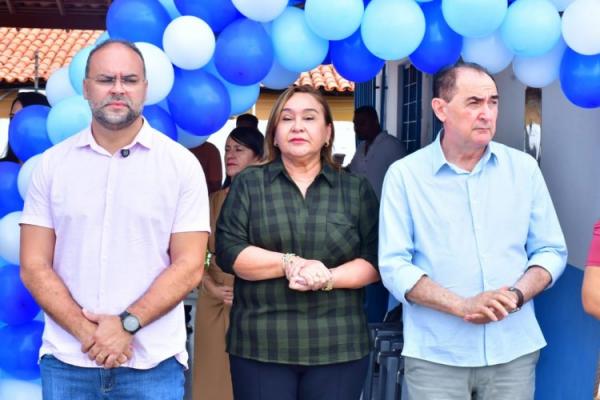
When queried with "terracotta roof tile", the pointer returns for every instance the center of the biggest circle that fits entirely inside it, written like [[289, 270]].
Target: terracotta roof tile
[[56, 48]]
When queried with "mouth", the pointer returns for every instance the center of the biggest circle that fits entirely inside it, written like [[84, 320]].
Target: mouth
[[297, 141]]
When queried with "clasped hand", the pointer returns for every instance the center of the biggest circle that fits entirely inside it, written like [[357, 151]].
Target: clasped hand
[[105, 341], [304, 275], [493, 305]]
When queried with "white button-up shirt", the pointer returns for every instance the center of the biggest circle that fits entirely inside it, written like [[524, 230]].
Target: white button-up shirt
[[113, 217], [469, 232]]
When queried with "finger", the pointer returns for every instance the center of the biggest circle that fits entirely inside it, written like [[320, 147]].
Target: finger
[[128, 353], [90, 315], [93, 352], [85, 347], [498, 307], [101, 358], [111, 361], [122, 359]]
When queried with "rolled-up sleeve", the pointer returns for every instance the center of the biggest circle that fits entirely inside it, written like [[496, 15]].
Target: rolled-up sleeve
[[594, 253], [367, 225], [396, 246], [545, 245], [233, 224]]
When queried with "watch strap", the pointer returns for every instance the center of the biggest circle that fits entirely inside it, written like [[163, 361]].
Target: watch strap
[[520, 297]]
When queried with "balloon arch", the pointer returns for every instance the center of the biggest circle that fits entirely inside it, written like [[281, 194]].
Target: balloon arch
[[214, 55]]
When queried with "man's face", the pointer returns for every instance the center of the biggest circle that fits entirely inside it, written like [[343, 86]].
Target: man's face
[[469, 118], [361, 126], [116, 86]]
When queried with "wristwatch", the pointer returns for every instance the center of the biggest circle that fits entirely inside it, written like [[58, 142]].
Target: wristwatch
[[520, 297], [130, 322]]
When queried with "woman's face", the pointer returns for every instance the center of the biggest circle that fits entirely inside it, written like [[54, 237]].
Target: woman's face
[[301, 130], [237, 157]]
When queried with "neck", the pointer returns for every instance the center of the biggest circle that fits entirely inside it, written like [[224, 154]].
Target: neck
[[302, 171], [111, 140], [463, 157]]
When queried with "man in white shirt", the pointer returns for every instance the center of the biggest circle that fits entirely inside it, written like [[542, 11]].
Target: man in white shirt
[[113, 237]]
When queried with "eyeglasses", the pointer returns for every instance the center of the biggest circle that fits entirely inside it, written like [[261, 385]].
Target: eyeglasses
[[128, 81]]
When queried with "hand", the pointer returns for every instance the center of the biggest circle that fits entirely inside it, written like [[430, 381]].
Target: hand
[[315, 274], [216, 290], [299, 284], [112, 345], [293, 267], [85, 334], [493, 305]]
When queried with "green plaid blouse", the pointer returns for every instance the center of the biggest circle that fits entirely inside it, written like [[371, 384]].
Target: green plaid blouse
[[336, 223]]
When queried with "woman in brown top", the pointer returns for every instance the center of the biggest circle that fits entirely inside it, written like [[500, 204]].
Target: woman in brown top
[[212, 380]]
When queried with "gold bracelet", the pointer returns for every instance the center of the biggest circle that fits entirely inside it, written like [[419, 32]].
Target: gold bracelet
[[288, 261], [329, 285]]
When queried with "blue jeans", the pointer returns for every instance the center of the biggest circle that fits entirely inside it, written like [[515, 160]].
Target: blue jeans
[[64, 381]]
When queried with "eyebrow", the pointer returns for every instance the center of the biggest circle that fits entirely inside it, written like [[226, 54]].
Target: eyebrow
[[304, 110], [479, 99]]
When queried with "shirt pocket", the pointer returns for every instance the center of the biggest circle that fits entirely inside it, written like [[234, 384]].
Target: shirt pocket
[[343, 240]]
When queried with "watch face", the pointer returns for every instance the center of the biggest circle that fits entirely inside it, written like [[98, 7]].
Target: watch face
[[130, 323]]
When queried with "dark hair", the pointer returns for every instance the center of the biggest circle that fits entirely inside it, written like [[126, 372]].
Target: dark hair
[[29, 99], [248, 120], [272, 152], [109, 42], [444, 82], [249, 137]]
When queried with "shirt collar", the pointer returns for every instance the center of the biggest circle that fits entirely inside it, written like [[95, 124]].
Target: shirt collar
[[276, 168], [144, 138], [439, 159]]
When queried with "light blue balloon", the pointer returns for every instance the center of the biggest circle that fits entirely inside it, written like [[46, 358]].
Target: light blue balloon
[[348, 14], [25, 173], [10, 237], [531, 27], [188, 140], [242, 97], [297, 47], [16, 389], [77, 68], [279, 77], [102, 38], [3, 262], [68, 117], [392, 29], [169, 5], [59, 86], [542, 70], [490, 52], [474, 18]]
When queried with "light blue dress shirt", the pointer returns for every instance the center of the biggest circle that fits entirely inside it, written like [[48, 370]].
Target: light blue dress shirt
[[469, 232]]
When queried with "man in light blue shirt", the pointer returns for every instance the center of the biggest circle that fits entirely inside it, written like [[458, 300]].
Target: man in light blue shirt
[[468, 236]]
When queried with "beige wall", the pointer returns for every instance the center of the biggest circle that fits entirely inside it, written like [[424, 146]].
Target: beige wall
[[341, 106]]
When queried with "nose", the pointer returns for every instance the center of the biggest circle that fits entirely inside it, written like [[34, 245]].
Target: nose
[[298, 124], [118, 86]]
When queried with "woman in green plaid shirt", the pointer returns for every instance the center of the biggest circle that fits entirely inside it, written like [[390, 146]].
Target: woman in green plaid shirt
[[301, 237]]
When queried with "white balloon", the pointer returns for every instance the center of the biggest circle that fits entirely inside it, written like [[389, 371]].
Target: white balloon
[[59, 86], [159, 72], [561, 5], [9, 238], [25, 174], [580, 26], [260, 10], [490, 52], [19, 390], [542, 70], [189, 42]]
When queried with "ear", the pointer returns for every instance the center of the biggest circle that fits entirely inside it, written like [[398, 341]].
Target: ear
[[328, 138], [439, 108], [85, 88]]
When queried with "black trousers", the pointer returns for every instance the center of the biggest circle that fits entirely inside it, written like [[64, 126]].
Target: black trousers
[[255, 380]]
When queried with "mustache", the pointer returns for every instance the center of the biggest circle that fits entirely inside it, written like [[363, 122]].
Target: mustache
[[118, 98]]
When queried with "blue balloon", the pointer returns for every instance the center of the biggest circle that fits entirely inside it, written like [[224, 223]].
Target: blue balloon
[[531, 27], [188, 140], [580, 78], [27, 133], [171, 8], [137, 21], [160, 120], [279, 77], [19, 350], [242, 97], [353, 60], [216, 13], [440, 46], [199, 102], [244, 53], [68, 117], [17, 306], [10, 199], [297, 47], [77, 68]]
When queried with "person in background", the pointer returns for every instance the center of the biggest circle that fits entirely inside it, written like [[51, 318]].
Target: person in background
[[211, 376], [468, 237], [22, 100], [113, 237], [590, 292], [375, 153], [210, 159], [300, 237], [247, 120]]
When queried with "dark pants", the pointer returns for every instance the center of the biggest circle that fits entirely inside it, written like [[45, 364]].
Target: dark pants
[[255, 380]]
